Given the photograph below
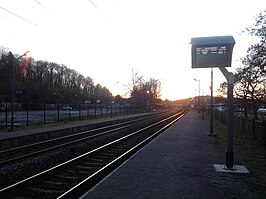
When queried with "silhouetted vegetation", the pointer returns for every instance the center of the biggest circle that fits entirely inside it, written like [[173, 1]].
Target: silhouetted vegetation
[[47, 82], [250, 78], [144, 93]]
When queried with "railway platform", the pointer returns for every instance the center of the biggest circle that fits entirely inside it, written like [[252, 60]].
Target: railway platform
[[179, 163], [71, 124], [32, 135]]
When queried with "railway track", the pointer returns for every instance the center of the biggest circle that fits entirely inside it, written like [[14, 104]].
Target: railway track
[[14, 155], [73, 177]]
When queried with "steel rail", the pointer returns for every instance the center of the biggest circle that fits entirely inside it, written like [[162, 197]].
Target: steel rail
[[46, 144], [69, 192], [125, 155]]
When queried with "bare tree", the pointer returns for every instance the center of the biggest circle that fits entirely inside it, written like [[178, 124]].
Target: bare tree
[[250, 78], [144, 92]]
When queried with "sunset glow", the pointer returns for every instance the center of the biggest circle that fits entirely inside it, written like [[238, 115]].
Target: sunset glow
[[108, 41]]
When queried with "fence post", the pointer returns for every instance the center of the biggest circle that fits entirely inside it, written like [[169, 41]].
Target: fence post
[[254, 128], [28, 104], [79, 111], [101, 110], [58, 113], [95, 110], [88, 111], [69, 114], [6, 115], [264, 130], [111, 110], [43, 113]]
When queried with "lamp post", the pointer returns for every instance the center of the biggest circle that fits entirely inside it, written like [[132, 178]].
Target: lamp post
[[147, 100], [211, 118], [199, 104], [14, 87]]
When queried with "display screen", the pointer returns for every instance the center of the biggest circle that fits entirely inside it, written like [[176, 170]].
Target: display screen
[[211, 56], [215, 51]]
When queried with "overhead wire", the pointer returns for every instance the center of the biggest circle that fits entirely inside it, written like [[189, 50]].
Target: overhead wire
[[40, 4], [99, 10], [22, 18], [95, 6]]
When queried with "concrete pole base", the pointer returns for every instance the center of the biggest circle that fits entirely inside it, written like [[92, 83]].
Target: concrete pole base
[[235, 169], [229, 159]]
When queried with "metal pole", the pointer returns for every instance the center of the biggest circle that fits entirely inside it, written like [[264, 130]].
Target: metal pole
[[95, 110], [58, 113], [230, 119], [79, 111], [44, 114], [111, 109], [14, 86], [199, 97], [13, 95], [199, 101], [28, 108], [6, 111], [101, 111], [211, 118], [88, 111], [230, 127]]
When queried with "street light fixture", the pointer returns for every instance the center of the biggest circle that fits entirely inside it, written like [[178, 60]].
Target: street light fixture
[[14, 88], [199, 101]]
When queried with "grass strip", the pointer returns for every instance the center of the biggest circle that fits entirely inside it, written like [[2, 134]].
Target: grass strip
[[249, 153]]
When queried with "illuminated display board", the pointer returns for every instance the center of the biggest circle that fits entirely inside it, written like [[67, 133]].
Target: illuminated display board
[[210, 56], [212, 51]]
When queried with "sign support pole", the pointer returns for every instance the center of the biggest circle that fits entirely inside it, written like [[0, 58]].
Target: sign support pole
[[217, 52], [211, 118], [230, 119]]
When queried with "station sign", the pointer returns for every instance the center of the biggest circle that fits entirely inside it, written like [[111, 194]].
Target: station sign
[[212, 51]]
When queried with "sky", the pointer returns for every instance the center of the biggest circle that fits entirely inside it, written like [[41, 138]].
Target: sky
[[108, 39]]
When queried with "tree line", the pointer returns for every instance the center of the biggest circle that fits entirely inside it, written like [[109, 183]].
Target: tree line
[[250, 77], [48, 82]]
